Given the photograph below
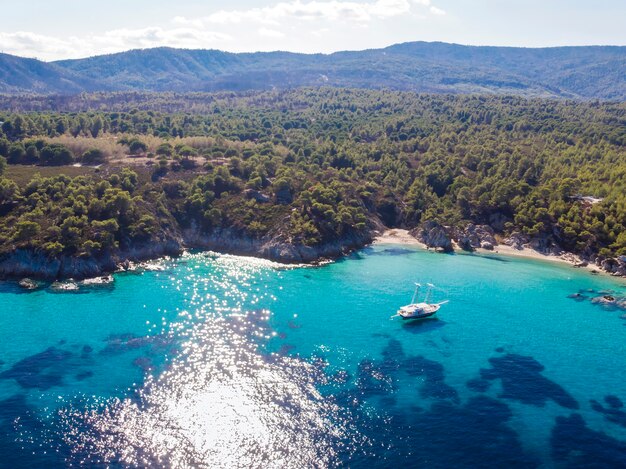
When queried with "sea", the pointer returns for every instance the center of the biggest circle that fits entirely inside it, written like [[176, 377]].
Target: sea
[[211, 360]]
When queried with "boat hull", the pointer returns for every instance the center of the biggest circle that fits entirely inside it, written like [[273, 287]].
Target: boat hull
[[418, 316]]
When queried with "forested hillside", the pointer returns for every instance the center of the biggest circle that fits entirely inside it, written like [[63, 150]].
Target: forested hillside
[[20, 75], [309, 168], [570, 72]]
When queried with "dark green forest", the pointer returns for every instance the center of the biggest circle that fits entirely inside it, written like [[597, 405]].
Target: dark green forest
[[581, 72], [308, 166]]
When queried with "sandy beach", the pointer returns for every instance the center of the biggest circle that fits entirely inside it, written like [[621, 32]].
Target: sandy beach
[[566, 257], [400, 236]]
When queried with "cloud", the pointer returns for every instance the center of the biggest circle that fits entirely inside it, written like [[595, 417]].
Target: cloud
[[298, 10], [321, 32], [334, 22], [437, 11], [155, 36], [187, 22], [28, 44], [433, 9], [266, 32]]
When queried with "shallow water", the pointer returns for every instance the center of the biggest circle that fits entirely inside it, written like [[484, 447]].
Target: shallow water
[[237, 362]]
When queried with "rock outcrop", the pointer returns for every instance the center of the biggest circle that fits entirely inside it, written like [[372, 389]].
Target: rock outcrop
[[517, 240], [476, 236], [275, 248], [29, 284], [433, 235], [23, 263], [544, 244], [31, 265], [614, 266], [258, 196]]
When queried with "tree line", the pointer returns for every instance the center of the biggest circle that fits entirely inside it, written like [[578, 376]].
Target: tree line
[[313, 165]]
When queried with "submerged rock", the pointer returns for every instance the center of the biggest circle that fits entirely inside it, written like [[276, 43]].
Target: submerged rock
[[42, 370], [610, 301], [577, 296], [604, 299], [522, 380]]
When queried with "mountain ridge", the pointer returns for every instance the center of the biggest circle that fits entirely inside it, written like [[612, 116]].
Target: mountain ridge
[[578, 72]]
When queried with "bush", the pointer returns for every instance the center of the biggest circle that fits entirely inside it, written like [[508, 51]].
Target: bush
[[53, 248], [16, 153], [165, 149], [4, 147], [25, 230], [93, 156], [137, 147], [8, 191], [56, 155]]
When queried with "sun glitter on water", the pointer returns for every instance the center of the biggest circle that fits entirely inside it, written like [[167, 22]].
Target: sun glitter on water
[[222, 401]]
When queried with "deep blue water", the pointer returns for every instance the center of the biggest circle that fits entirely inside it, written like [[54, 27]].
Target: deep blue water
[[223, 361]]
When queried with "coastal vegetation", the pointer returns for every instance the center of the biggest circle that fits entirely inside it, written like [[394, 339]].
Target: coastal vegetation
[[93, 174]]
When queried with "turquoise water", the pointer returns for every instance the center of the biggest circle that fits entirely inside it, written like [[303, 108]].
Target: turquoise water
[[237, 362]]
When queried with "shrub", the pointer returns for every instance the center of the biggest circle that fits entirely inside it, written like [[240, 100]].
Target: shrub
[[53, 248], [56, 154], [25, 230], [93, 156], [137, 147]]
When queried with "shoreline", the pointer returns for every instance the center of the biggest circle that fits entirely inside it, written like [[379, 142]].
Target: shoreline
[[398, 236], [394, 236], [403, 237], [28, 264]]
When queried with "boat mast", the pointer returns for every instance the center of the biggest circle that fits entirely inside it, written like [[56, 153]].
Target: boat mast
[[415, 293], [430, 289]]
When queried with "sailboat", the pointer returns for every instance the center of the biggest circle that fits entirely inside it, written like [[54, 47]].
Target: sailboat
[[420, 310]]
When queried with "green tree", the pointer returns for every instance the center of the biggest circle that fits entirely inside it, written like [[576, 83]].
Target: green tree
[[93, 156], [96, 127], [26, 230], [16, 153], [137, 147], [56, 155]]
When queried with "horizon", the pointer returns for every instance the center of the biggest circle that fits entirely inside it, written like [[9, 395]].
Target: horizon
[[70, 30], [210, 49]]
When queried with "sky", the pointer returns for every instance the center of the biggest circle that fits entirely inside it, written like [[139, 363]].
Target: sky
[[63, 29]]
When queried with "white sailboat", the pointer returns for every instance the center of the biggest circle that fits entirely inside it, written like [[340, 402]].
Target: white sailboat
[[419, 310]]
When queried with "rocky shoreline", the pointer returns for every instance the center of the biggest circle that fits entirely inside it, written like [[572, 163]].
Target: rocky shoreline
[[35, 265], [482, 238], [30, 266]]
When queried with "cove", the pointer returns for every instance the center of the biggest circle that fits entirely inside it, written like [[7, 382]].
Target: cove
[[227, 361]]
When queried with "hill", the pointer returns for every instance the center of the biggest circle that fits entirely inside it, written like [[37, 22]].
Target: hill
[[20, 75], [590, 72]]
